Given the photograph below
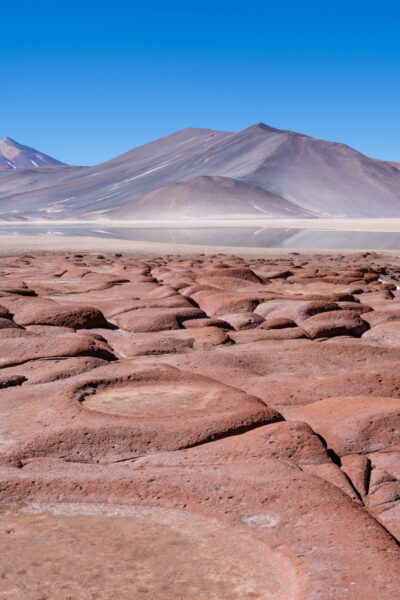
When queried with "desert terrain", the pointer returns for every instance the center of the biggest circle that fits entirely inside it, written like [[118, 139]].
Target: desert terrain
[[194, 403], [180, 423]]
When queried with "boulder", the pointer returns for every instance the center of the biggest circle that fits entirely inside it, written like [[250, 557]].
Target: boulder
[[148, 320], [295, 310], [241, 321], [78, 317], [219, 303], [354, 424], [334, 323], [8, 324], [16, 351], [377, 317], [385, 334], [206, 322]]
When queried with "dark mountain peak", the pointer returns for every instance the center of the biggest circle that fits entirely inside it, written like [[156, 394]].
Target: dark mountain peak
[[8, 141], [268, 129], [263, 127]]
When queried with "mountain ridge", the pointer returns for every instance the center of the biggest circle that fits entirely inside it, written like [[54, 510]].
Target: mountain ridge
[[320, 178]]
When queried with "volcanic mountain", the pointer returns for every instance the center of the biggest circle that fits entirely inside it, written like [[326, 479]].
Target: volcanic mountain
[[259, 172], [16, 156]]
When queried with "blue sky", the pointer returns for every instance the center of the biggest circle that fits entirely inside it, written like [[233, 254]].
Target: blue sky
[[85, 81]]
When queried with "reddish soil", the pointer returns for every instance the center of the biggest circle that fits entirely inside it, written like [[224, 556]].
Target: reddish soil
[[199, 427]]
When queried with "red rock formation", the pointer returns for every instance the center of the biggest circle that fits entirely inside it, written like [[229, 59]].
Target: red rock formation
[[244, 413]]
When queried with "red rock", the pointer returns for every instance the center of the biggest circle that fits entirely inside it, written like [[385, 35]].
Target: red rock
[[332, 473], [296, 310], [256, 335], [357, 468], [231, 284], [356, 306], [232, 272], [274, 274], [49, 329], [356, 383], [80, 317], [377, 317], [4, 313], [385, 334], [8, 324], [277, 323], [208, 337], [284, 360], [221, 303], [143, 320], [15, 351], [228, 558], [372, 297], [371, 277], [193, 289], [12, 332], [186, 425], [353, 425], [206, 322], [293, 442], [313, 514], [354, 273], [113, 413], [45, 371], [7, 380], [241, 321], [20, 288], [128, 345], [344, 322], [74, 273], [383, 498]]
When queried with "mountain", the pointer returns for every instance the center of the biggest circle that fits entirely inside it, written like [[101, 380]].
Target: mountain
[[209, 195], [201, 172], [16, 156]]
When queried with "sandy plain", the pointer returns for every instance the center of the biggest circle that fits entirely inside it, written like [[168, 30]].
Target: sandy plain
[[344, 224]]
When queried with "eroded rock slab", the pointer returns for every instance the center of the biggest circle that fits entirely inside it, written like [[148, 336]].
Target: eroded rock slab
[[242, 412], [135, 552]]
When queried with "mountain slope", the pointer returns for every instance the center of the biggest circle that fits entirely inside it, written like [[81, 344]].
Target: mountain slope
[[321, 178], [328, 178], [16, 156], [209, 195]]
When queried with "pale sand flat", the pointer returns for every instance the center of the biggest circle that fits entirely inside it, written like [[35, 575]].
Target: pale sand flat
[[349, 224], [17, 244]]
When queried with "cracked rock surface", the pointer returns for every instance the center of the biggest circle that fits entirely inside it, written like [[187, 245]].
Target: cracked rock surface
[[199, 427]]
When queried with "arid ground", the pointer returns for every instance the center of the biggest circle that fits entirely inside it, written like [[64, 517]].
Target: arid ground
[[198, 426]]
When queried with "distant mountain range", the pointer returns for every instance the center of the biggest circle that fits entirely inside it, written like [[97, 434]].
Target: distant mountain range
[[260, 172]]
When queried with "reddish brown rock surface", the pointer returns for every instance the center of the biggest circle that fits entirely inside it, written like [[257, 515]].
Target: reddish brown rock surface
[[199, 427], [334, 323]]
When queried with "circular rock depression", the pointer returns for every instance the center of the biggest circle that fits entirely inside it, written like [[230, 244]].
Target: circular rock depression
[[131, 411], [151, 399], [82, 551]]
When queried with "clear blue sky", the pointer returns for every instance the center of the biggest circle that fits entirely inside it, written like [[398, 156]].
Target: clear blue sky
[[85, 81]]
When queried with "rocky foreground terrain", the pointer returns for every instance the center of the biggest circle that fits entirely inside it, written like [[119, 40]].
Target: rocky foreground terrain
[[203, 427]]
